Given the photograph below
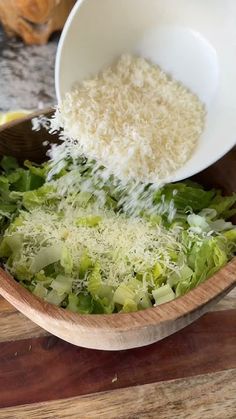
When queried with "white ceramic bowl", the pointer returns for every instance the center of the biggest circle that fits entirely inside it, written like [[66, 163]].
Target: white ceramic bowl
[[193, 40]]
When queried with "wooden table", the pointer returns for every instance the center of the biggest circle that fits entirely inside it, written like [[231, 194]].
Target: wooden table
[[191, 374]]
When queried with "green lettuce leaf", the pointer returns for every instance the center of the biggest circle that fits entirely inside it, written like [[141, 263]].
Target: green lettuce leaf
[[163, 294], [207, 259], [9, 163], [185, 196], [10, 245], [42, 196], [66, 260], [82, 303], [223, 205], [54, 297], [101, 293], [46, 256], [62, 284]]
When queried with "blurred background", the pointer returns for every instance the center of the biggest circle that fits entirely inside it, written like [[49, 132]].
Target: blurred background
[[29, 33]]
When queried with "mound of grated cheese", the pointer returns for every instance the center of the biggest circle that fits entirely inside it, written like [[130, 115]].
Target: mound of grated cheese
[[134, 119], [122, 245]]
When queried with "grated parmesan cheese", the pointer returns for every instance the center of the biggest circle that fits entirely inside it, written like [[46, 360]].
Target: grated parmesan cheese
[[133, 119], [121, 244]]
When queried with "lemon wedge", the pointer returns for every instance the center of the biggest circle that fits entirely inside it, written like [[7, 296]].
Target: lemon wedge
[[10, 116]]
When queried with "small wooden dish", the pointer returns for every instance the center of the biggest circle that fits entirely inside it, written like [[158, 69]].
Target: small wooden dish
[[123, 330]]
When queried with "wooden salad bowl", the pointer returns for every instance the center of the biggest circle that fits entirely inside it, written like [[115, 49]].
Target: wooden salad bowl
[[122, 330]]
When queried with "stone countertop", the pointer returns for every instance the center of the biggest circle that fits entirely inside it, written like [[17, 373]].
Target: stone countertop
[[26, 74]]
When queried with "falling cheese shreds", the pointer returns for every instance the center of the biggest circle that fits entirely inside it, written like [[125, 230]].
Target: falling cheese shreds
[[134, 119]]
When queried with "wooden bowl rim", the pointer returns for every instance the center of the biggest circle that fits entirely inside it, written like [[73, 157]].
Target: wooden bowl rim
[[24, 118], [221, 282]]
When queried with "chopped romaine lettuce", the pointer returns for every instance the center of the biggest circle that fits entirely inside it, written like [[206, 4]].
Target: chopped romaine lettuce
[[46, 256], [42, 196], [163, 294], [8, 164], [223, 204]]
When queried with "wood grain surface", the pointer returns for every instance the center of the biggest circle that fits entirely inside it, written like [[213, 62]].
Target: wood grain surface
[[198, 349], [210, 396]]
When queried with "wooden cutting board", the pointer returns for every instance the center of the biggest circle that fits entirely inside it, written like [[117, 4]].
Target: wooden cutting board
[[191, 374]]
